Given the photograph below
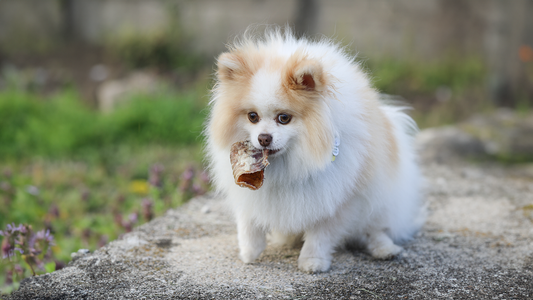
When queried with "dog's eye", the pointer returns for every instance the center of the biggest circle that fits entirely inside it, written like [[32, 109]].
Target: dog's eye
[[284, 119], [253, 117]]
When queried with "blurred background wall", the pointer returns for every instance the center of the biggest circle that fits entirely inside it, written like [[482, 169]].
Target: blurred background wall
[[498, 32]]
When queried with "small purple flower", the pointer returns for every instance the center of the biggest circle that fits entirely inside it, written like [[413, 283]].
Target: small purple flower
[[7, 173], [86, 234], [128, 225], [155, 175], [9, 277], [103, 241], [133, 218], [197, 189], [188, 174], [204, 177], [5, 186], [18, 269], [7, 250], [45, 236], [59, 265], [11, 228], [54, 211], [85, 194], [39, 235], [121, 199], [118, 219], [186, 179], [39, 242], [147, 207], [31, 247]]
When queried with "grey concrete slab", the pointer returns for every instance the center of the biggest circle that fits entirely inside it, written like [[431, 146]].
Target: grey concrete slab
[[477, 243]]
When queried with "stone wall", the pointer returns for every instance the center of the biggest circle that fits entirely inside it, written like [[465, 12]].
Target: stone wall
[[403, 28], [406, 29], [29, 24]]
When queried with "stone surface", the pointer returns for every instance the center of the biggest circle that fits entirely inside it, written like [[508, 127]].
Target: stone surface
[[111, 93], [505, 133], [448, 144], [477, 243]]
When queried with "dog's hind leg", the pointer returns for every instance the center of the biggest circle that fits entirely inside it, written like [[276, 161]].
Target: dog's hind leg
[[381, 246]]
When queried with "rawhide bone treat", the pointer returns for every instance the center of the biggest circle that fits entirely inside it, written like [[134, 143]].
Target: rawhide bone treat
[[248, 164]]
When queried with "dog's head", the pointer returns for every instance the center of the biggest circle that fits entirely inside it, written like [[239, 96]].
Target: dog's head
[[276, 100]]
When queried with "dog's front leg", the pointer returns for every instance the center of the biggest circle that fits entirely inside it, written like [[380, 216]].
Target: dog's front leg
[[252, 239], [318, 248]]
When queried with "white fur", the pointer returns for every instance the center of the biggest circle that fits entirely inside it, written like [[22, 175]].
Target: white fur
[[328, 202]]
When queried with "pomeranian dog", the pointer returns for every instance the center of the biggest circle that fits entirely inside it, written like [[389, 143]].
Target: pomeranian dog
[[342, 163]]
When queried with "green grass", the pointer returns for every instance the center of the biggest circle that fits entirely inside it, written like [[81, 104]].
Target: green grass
[[418, 83], [60, 125], [82, 174], [86, 204], [403, 77]]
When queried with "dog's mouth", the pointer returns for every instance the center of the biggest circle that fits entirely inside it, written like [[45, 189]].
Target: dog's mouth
[[273, 151]]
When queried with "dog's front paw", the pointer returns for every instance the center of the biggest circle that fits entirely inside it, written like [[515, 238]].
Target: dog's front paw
[[387, 251], [252, 240], [313, 264], [250, 254]]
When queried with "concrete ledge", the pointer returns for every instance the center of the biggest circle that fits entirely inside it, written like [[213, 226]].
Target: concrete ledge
[[477, 244]]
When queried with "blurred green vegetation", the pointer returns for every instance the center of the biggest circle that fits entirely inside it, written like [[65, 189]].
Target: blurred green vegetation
[[404, 77], [441, 92], [61, 125], [162, 51], [86, 204], [89, 177]]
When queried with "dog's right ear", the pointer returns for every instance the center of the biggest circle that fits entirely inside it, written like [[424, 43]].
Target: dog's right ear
[[231, 66]]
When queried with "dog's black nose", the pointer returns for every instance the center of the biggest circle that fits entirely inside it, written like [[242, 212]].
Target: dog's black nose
[[264, 139]]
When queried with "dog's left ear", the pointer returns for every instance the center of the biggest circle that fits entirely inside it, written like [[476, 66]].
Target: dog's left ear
[[303, 74]]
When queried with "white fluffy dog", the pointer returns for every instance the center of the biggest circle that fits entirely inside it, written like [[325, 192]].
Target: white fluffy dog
[[342, 163]]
